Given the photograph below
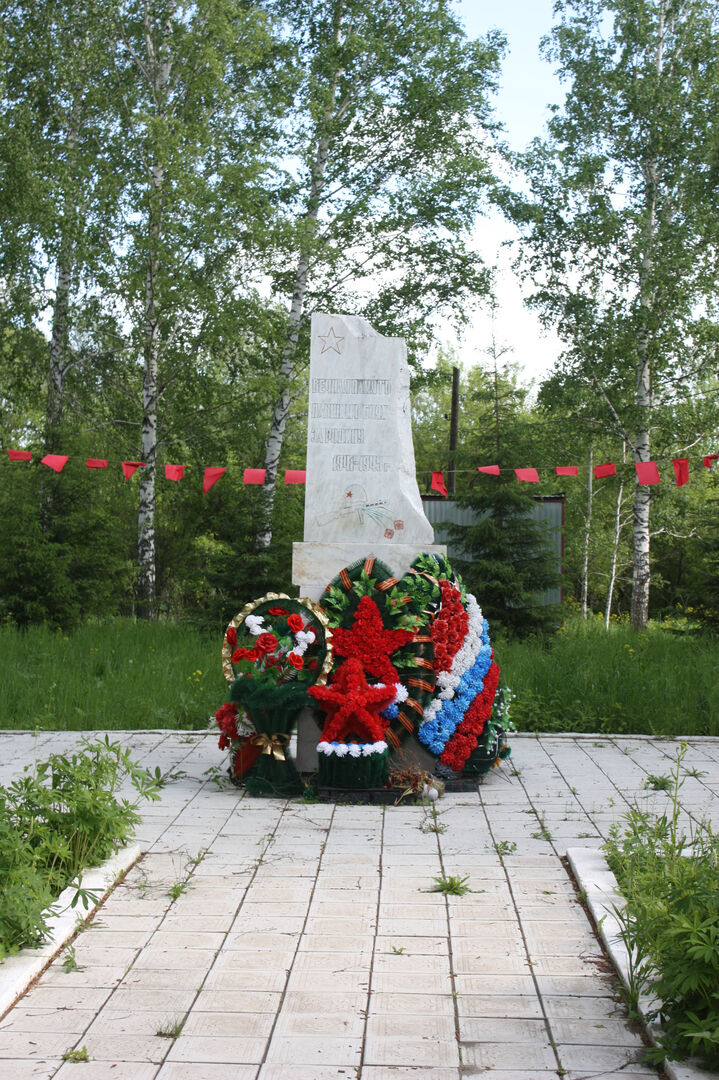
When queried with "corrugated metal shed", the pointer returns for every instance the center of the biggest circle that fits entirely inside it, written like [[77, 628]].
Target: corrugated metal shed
[[546, 508]]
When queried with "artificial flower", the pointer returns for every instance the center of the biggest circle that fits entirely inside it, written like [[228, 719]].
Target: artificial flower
[[352, 706], [231, 637], [295, 622], [295, 660], [276, 611], [267, 643]]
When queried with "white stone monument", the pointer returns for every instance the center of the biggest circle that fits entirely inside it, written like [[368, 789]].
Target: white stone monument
[[361, 494]]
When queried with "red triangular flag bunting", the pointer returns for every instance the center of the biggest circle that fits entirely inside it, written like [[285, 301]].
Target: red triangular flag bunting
[[129, 467], [56, 462], [19, 455], [710, 459], [566, 470], [527, 476], [492, 470], [96, 463], [600, 471], [681, 470], [212, 475], [253, 476], [295, 476], [174, 472], [438, 484], [647, 472]]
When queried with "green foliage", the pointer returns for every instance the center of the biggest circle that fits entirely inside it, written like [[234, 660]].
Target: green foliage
[[452, 885], [60, 817], [586, 679], [113, 675], [76, 1056], [671, 920]]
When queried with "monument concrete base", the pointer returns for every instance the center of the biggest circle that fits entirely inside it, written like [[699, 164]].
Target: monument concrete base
[[315, 563]]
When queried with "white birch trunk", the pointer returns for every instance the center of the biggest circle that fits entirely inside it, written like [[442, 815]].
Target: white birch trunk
[[160, 68], [587, 533], [308, 228], [641, 570], [615, 547]]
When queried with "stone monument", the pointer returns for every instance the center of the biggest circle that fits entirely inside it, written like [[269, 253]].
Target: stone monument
[[361, 494]]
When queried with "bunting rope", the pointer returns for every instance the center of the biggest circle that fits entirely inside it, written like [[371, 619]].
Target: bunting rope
[[647, 472]]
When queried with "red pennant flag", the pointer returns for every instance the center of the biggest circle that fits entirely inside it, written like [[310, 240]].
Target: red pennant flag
[[600, 471], [710, 459], [253, 476], [681, 470], [527, 476], [96, 463], [493, 470], [212, 475], [566, 470], [438, 484], [19, 455], [295, 476], [174, 472], [129, 467], [56, 462], [647, 472]]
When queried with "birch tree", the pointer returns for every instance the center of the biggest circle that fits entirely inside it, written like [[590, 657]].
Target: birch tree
[[621, 233], [388, 145], [197, 128]]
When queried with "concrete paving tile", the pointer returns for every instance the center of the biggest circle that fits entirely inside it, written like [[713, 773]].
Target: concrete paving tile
[[27, 1069], [87, 976], [251, 1024], [523, 1007], [189, 939], [410, 1026], [391, 982], [314, 1050], [104, 1046], [253, 961], [583, 1007], [381, 1004], [222, 1049], [328, 982], [297, 1002], [59, 997], [592, 1058], [174, 959], [67, 1021], [391, 1050], [87, 954], [307, 1072], [635, 1072], [405, 962], [335, 1024], [464, 964], [240, 940], [507, 1055], [161, 979], [499, 1030], [410, 925], [495, 985], [134, 1021], [180, 1070], [360, 945], [328, 961], [599, 1031], [236, 1001], [389, 1072], [415, 944], [103, 1070]]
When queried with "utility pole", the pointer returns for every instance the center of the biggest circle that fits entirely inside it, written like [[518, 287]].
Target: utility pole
[[453, 434]]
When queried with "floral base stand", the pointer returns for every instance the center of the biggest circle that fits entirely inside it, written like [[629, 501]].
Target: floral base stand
[[274, 773], [490, 750], [354, 772]]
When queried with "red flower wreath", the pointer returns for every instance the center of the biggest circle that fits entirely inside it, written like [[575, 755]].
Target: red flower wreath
[[450, 627], [469, 731], [352, 706], [370, 643]]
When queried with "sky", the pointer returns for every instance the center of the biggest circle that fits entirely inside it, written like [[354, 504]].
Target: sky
[[527, 87]]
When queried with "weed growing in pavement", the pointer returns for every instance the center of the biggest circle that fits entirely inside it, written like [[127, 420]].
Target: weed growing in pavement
[[76, 1055], [658, 783], [398, 950], [670, 922], [505, 847], [170, 1029], [543, 832], [69, 961], [451, 886], [430, 822]]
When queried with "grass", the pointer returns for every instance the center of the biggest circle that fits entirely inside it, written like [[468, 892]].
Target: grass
[[116, 675], [586, 679], [452, 885]]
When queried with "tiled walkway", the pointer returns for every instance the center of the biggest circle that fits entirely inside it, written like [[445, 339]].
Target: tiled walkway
[[293, 941]]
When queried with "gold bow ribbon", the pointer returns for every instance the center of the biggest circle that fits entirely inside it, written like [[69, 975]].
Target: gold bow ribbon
[[271, 744]]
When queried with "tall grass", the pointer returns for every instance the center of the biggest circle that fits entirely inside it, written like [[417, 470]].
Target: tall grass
[[587, 679], [113, 675]]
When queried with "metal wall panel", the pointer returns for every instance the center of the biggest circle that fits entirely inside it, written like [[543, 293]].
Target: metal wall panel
[[550, 508]]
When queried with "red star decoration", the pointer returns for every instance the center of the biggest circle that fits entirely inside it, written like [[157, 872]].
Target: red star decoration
[[352, 706], [370, 642]]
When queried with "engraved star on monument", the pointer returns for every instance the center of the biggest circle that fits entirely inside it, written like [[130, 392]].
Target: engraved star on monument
[[331, 341]]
